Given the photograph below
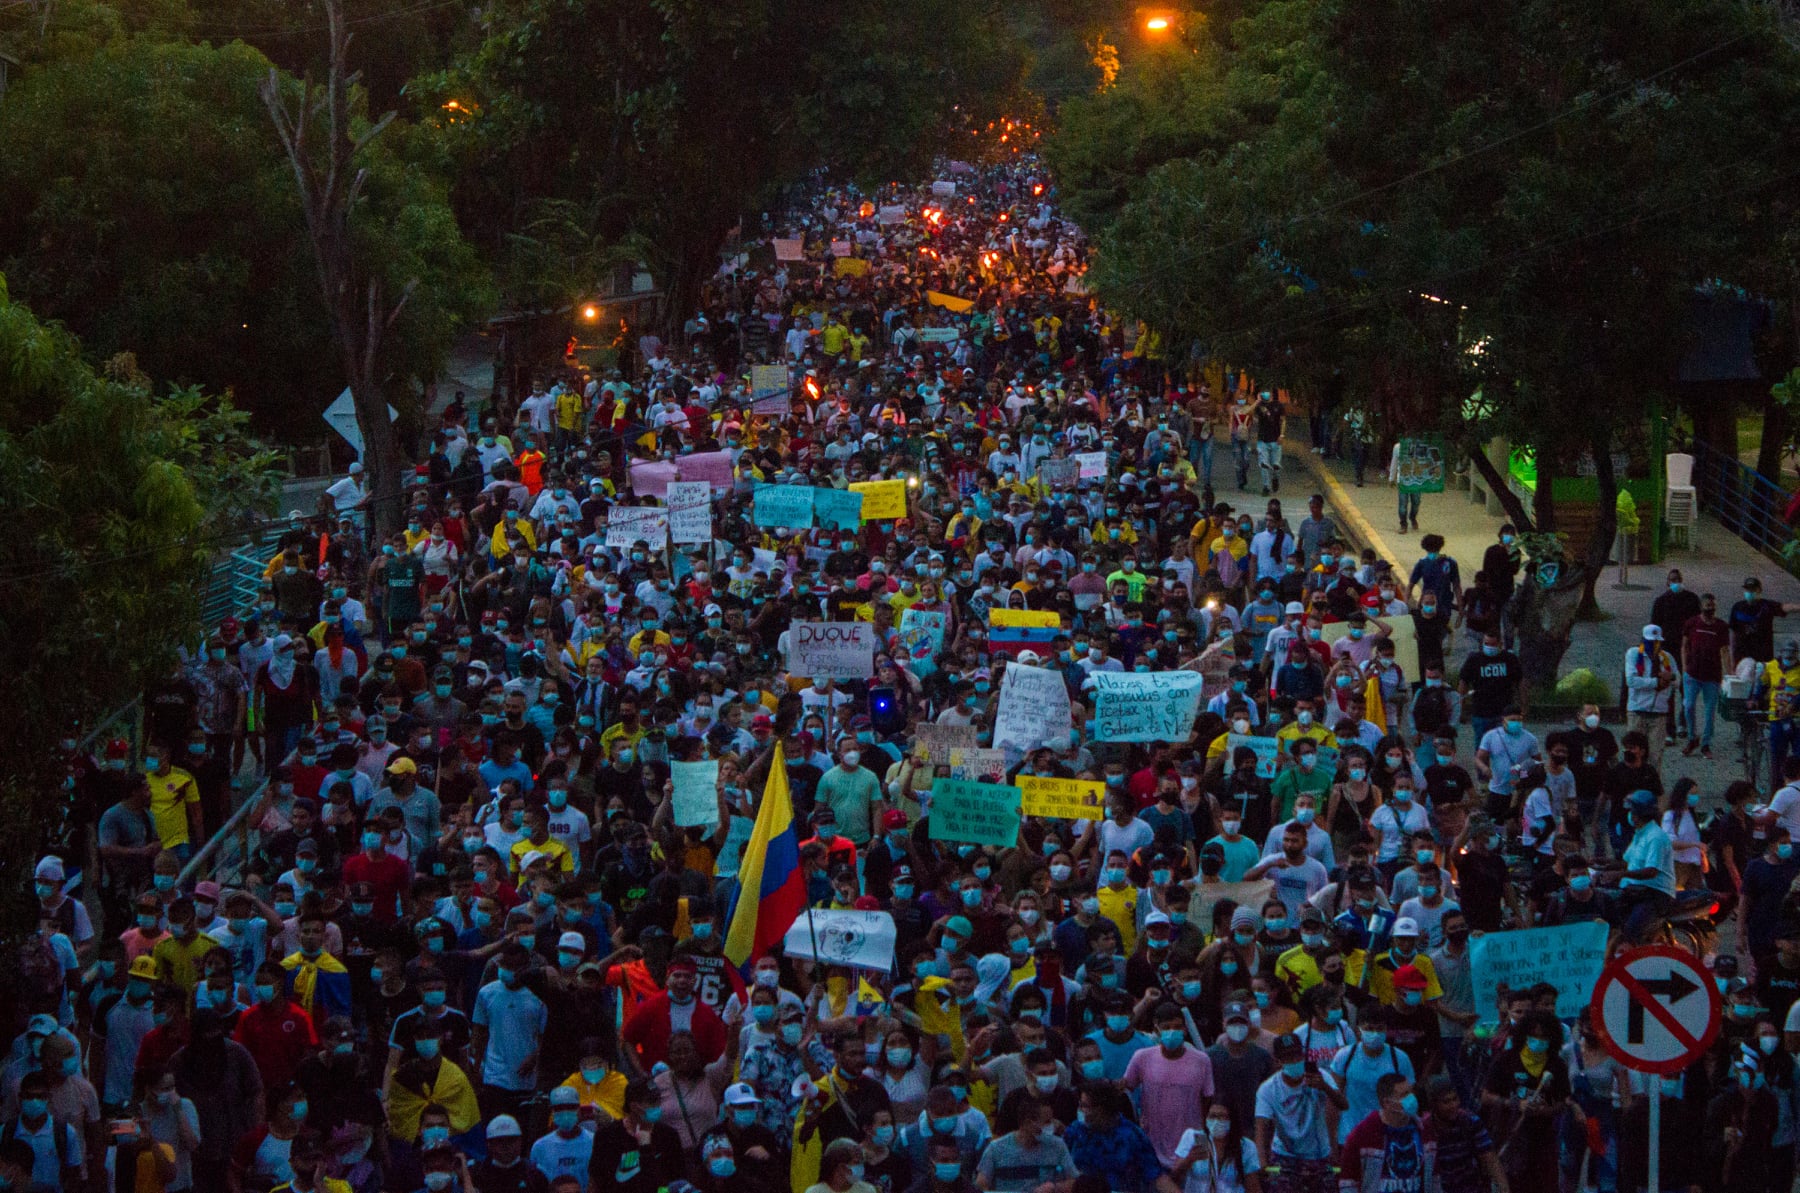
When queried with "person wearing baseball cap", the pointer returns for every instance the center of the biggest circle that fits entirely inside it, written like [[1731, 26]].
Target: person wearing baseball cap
[[567, 1149]]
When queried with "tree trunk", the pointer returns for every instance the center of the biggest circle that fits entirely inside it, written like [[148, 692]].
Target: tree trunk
[[1544, 617], [1515, 509], [1606, 523], [1774, 436]]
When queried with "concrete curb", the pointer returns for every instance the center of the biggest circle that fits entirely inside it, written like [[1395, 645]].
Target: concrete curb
[[1352, 522]]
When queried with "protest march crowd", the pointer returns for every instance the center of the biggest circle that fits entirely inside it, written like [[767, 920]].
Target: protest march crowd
[[856, 749]]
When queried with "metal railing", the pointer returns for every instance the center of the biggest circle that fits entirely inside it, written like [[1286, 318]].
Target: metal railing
[[1745, 502]]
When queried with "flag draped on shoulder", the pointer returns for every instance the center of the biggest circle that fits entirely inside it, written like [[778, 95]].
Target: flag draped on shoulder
[[772, 891]]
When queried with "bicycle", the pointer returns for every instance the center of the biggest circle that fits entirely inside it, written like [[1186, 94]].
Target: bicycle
[[1753, 738]]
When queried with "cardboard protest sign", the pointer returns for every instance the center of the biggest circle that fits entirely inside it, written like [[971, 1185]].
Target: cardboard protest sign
[[690, 512], [881, 499], [712, 467], [890, 214], [859, 939], [922, 639], [938, 741], [1569, 957], [651, 478], [1092, 465], [1145, 706], [1208, 896], [943, 188], [831, 649], [938, 335], [837, 509], [1034, 709], [1064, 799], [840, 248], [1059, 474], [785, 506], [1267, 749], [850, 267], [978, 813], [626, 524], [769, 392], [789, 249], [696, 792], [978, 765]]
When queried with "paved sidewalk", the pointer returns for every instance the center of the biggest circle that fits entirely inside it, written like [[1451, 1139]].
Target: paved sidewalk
[[1369, 516]]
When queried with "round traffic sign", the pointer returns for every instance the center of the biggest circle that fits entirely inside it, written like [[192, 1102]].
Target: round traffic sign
[[1656, 1009]]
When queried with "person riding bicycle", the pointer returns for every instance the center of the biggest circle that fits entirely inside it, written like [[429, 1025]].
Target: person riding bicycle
[[1779, 680]]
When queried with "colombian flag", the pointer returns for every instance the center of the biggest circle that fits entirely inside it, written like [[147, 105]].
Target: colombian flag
[[769, 872]]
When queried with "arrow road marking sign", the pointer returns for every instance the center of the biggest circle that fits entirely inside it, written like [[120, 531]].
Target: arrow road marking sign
[[1657, 1009]]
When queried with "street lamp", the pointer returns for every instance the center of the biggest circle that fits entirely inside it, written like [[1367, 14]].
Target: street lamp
[[1157, 24]]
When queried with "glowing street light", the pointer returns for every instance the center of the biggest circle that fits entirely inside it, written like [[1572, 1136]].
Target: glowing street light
[[1157, 25], [590, 312]]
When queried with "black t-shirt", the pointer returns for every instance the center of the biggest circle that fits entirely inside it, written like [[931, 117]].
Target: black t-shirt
[[1621, 781], [1591, 751], [652, 1165], [1753, 629], [1447, 784], [1481, 889], [1493, 682], [520, 1177]]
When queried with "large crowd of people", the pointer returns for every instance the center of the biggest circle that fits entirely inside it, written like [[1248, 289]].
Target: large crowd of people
[[472, 946]]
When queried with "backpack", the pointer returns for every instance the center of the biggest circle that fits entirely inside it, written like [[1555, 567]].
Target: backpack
[[40, 975]]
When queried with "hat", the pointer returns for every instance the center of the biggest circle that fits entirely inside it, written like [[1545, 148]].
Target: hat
[[682, 964], [893, 818], [1406, 926], [1310, 914], [118, 747], [564, 1095], [960, 925], [1653, 633], [208, 890], [573, 941], [1294, 609], [1642, 799], [1029, 658], [307, 845], [229, 627], [867, 903], [1157, 917], [1408, 977], [355, 467], [505, 1126], [42, 1025], [402, 766], [1287, 1043], [762, 720], [50, 869], [144, 966], [1243, 917], [531, 859], [740, 1093]]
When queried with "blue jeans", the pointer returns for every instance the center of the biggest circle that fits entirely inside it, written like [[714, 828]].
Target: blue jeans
[[1783, 737], [1409, 506], [1699, 693], [1202, 455], [1240, 448]]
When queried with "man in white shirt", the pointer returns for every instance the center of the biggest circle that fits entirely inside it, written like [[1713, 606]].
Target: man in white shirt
[[349, 494]]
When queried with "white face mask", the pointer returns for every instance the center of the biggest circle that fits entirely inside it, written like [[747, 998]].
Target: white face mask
[[1592, 721]]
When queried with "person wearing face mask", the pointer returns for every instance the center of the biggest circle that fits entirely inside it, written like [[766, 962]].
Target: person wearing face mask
[[566, 1150], [1491, 681], [504, 1170], [1292, 1127], [1502, 757], [1526, 1088], [1174, 1081], [1390, 1149], [38, 1152], [428, 1096], [852, 792]]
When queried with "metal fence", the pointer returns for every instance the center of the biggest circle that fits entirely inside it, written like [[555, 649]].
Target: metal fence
[[1745, 502]]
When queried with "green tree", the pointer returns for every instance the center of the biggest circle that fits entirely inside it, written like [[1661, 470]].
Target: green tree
[[1411, 203], [122, 495], [665, 123]]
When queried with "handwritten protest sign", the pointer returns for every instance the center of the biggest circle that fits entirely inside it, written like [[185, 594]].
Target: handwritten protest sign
[[938, 335], [1092, 465], [1024, 617], [840, 248], [978, 765], [1569, 957], [768, 389], [1267, 749], [850, 267], [831, 649], [859, 939], [712, 467], [626, 524], [1065, 799], [1034, 709], [784, 506], [922, 639], [1059, 474], [979, 813], [690, 512], [1245, 894], [939, 740], [943, 188], [891, 213], [1146, 706], [696, 792], [651, 478], [1419, 465], [789, 249], [837, 509], [881, 499]]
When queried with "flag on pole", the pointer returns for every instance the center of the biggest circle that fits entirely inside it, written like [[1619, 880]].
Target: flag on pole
[[771, 889]]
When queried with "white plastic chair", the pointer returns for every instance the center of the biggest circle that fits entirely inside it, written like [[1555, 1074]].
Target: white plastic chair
[[1681, 501]]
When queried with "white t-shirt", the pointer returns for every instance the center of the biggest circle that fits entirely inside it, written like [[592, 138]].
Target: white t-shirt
[[555, 1156], [1129, 837], [1201, 1178], [1786, 806]]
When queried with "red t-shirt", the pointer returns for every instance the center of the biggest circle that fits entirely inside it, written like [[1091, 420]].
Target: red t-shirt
[[387, 874], [278, 1037]]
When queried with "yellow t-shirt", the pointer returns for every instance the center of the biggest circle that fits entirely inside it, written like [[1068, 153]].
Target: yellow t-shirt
[[170, 795], [179, 960], [1784, 688], [1381, 978], [1121, 908], [551, 848]]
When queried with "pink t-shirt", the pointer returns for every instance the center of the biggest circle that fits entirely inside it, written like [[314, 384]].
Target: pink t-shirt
[[1172, 1093]]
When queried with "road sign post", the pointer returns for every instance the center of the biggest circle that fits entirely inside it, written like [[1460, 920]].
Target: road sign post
[[1657, 1012]]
